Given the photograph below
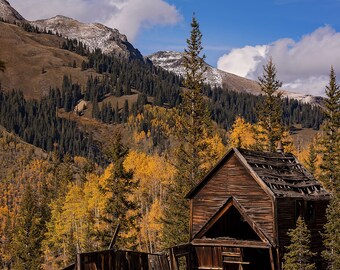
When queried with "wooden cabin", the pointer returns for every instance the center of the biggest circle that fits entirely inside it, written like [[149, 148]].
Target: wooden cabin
[[241, 211]]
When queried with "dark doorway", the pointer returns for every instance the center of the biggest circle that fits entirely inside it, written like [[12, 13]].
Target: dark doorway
[[258, 258]]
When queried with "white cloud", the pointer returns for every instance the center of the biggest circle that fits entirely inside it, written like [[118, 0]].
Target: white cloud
[[242, 61], [302, 65], [128, 16], [135, 14]]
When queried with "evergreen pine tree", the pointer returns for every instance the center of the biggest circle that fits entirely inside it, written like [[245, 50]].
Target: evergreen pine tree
[[194, 122], [299, 256], [269, 112], [311, 159], [28, 234], [95, 109], [330, 166], [117, 116], [125, 115], [330, 172], [119, 187], [193, 126], [331, 237]]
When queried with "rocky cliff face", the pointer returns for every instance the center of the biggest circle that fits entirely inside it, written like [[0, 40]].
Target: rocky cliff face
[[173, 61], [8, 13], [93, 35]]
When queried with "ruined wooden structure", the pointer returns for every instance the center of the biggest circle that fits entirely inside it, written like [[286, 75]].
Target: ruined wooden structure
[[119, 260], [241, 211]]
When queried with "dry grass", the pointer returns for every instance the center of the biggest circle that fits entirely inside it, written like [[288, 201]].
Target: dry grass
[[302, 137], [27, 54]]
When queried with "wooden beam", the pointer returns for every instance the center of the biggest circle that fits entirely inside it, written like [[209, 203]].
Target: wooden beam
[[230, 243], [272, 264], [209, 268], [251, 223], [215, 218], [190, 221], [236, 262], [275, 224], [278, 264]]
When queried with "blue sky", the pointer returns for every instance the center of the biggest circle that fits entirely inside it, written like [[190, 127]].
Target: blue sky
[[237, 23], [239, 36]]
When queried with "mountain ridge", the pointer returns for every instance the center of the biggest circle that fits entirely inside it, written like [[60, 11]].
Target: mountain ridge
[[8, 13], [173, 61], [93, 35], [111, 41]]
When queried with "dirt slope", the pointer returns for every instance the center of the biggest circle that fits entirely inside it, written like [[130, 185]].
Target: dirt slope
[[34, 62]]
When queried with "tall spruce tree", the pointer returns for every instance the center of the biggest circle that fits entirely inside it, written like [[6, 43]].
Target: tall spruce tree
[[331, 140], [330, 171], [119, 186], [193, 125], [194, 122], [299, 256], [311, 159], [269, 113], [29, 233]]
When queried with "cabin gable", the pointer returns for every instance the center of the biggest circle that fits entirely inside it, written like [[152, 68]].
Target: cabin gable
[[232, 179], [231, 222]]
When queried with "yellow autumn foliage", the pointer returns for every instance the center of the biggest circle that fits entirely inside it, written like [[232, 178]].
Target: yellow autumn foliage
[[153, 174], [242, 134], [215, 149]]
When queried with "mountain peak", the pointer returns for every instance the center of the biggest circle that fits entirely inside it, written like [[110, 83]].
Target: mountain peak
[[173, 61], [93, 35], [62, 17], [8, 13]]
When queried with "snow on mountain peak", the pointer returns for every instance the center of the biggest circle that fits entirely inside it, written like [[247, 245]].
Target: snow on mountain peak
[[173, 62], [8, 13], [93, 35]]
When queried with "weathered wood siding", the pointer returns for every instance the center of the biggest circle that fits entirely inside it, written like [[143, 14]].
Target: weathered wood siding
[[120, 260], [233, 179], [286, 216]]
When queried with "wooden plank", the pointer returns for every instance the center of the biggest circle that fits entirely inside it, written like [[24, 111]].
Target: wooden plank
[[271, 256], [230, 243], [190, 221], [217, 255], [78, 262], [236, 262], [231, 254], [210, 268]]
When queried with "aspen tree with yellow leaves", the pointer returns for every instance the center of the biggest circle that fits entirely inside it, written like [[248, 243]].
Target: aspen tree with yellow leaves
[[242, 134], [153, 174]]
